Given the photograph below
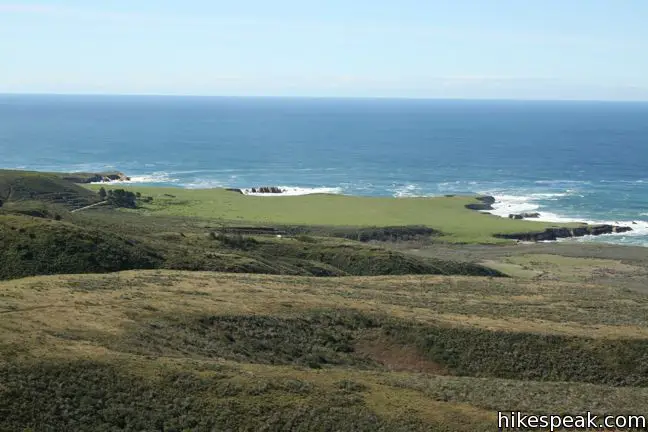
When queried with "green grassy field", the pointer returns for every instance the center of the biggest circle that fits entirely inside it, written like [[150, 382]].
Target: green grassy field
[[28, 192], [446, 214]]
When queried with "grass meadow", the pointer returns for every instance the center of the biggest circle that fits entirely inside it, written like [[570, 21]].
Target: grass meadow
[[445, 214]]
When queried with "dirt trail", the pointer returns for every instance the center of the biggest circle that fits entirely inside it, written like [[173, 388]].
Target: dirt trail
[[90, 206]]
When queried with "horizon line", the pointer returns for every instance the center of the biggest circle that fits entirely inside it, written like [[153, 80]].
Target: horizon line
[[412, 98]]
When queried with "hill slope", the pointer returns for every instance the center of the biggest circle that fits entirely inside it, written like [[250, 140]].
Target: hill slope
[[49, 188], [35, 246], [38, 246], [168, 350]]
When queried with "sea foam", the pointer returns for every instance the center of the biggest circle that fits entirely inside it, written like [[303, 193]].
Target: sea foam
[[154, 178], [296, 191], [514, 204]]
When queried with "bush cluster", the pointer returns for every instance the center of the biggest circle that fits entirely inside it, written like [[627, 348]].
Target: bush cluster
[[94, 396], [119, 197]]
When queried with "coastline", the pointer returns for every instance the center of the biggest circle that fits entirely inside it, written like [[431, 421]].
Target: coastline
[[500, 206], [506, 205]]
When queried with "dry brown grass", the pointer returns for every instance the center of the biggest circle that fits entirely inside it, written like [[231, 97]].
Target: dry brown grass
[[106, 303], [67, 317]]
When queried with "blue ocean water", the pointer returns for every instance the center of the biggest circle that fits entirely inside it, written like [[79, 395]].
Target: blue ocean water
[[568, 160]]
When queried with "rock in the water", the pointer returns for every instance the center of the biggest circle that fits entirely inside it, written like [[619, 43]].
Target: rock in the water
[[524, 215], [556, 233], [487, 199], [268, 190]]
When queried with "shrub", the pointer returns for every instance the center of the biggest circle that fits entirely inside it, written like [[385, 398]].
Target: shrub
[[235, 241], [122, 198]]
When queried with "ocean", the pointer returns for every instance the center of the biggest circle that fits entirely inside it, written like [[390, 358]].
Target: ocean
[[570, 161]]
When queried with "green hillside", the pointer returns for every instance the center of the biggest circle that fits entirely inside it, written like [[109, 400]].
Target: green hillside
[[44, 187], [35, 246], [83, 244]]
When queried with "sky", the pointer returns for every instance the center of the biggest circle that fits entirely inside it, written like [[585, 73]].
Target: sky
[[492, 49]]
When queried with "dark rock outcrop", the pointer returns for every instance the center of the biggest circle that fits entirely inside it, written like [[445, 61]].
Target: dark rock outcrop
[[555, 233], [486, 203], [524, 216], [95, 177], [486, 199], [609, 229], [550, 234], [234, 190], [267, 189]]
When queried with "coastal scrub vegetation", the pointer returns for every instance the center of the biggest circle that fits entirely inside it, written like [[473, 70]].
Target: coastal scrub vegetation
[[198, 351], [83, 243], [120, 198]]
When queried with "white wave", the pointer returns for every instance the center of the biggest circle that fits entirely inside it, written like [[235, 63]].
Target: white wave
[[636, 237], [562, 182], [296, 191], [158, 177], [154, 178], [514, 204], [630, 182], [202, 171], [407, 191], [203, 184], [550, 195]]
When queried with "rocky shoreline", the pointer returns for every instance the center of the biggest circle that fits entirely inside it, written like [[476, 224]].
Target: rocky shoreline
[[486, 203], [85, 178], [552, 234], [258, 190], [549, 234]]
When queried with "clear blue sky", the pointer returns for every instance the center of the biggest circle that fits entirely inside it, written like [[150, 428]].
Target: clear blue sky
[[550, 49]]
